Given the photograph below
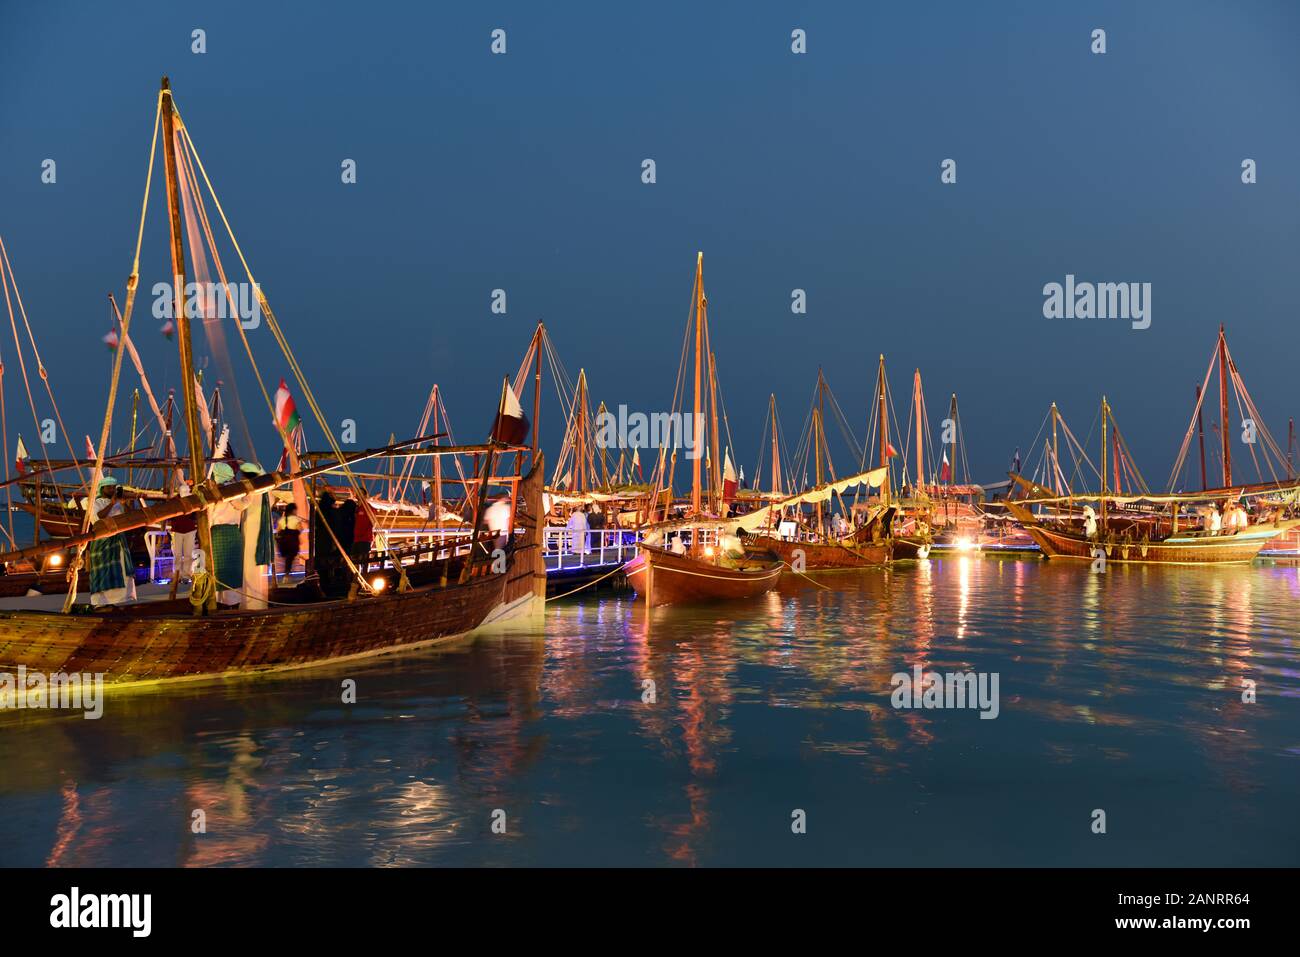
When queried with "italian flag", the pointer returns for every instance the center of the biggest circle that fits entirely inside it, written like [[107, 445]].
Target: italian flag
[[287, 419]]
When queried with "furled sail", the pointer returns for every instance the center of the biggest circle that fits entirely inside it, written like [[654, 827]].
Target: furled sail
[[822, 493]]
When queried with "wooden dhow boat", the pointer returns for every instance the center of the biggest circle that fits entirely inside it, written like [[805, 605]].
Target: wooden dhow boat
[[409, 606], [408, 600], [707, 562], [1150, 529]]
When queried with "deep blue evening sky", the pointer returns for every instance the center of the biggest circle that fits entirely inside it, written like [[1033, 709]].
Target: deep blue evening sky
[[817, 171]]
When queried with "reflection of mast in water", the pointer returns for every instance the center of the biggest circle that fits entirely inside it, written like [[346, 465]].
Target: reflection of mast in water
[[697, 682], [1228, 720], [69, 824]]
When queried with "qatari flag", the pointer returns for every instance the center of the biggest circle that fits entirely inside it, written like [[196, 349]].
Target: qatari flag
[[511, 425]]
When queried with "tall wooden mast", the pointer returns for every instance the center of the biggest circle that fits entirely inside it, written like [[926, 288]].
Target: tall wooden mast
[[1056, 453], [537, 388], [580, 433], [698, 421], [918, 401], [437, 461], [819, 438], [1223, 409], [183, 325], [952, 417], [1105, 414], [776, 450], [884, 432], [1290, 448]]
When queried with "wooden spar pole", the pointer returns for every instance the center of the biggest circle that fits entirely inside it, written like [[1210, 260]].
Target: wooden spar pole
[[167, 426], [601, 413], [776, 451], [886, 485], [952, 464], [392, 466], [1056, 453], [580, 433], [537, 388], [952, 417], [1200, 433], [480, 505], [920, 454], [183, 327], [699, 350], [1105, 412], [135, 419], [437, 463], [169, 448], [817, 437], [1223, 409], [1290, 447]]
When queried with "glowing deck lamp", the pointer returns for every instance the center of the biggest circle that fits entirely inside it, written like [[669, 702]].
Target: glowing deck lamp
[[56, 560], [379, 583]]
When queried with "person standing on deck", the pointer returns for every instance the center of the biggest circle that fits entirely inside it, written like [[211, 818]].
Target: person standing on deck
[[108, 560], [227, 561], [496, 519], [363, 535], [578, 525], [184, 530], [325, 553], [259, 551], [289, 539], [333, 543]]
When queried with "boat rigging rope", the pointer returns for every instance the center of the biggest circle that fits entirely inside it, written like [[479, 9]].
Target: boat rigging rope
[[595, 581], [132, 283], [5, 267], [203, 588], [274, 326], [802, 575]]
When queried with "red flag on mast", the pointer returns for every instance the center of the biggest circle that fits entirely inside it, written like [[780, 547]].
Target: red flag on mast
[[511, 425]]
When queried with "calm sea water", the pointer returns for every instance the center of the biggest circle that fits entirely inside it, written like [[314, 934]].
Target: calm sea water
[[1119, 692]]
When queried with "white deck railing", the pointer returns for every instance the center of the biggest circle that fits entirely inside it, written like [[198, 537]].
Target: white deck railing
[[605, 546]]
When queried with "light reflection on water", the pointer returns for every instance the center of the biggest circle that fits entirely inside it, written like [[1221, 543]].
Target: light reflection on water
[[1120, 692]]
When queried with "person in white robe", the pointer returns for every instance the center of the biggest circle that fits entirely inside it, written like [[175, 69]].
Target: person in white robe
[[578, 526], [1215, 520], [259, 551]]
